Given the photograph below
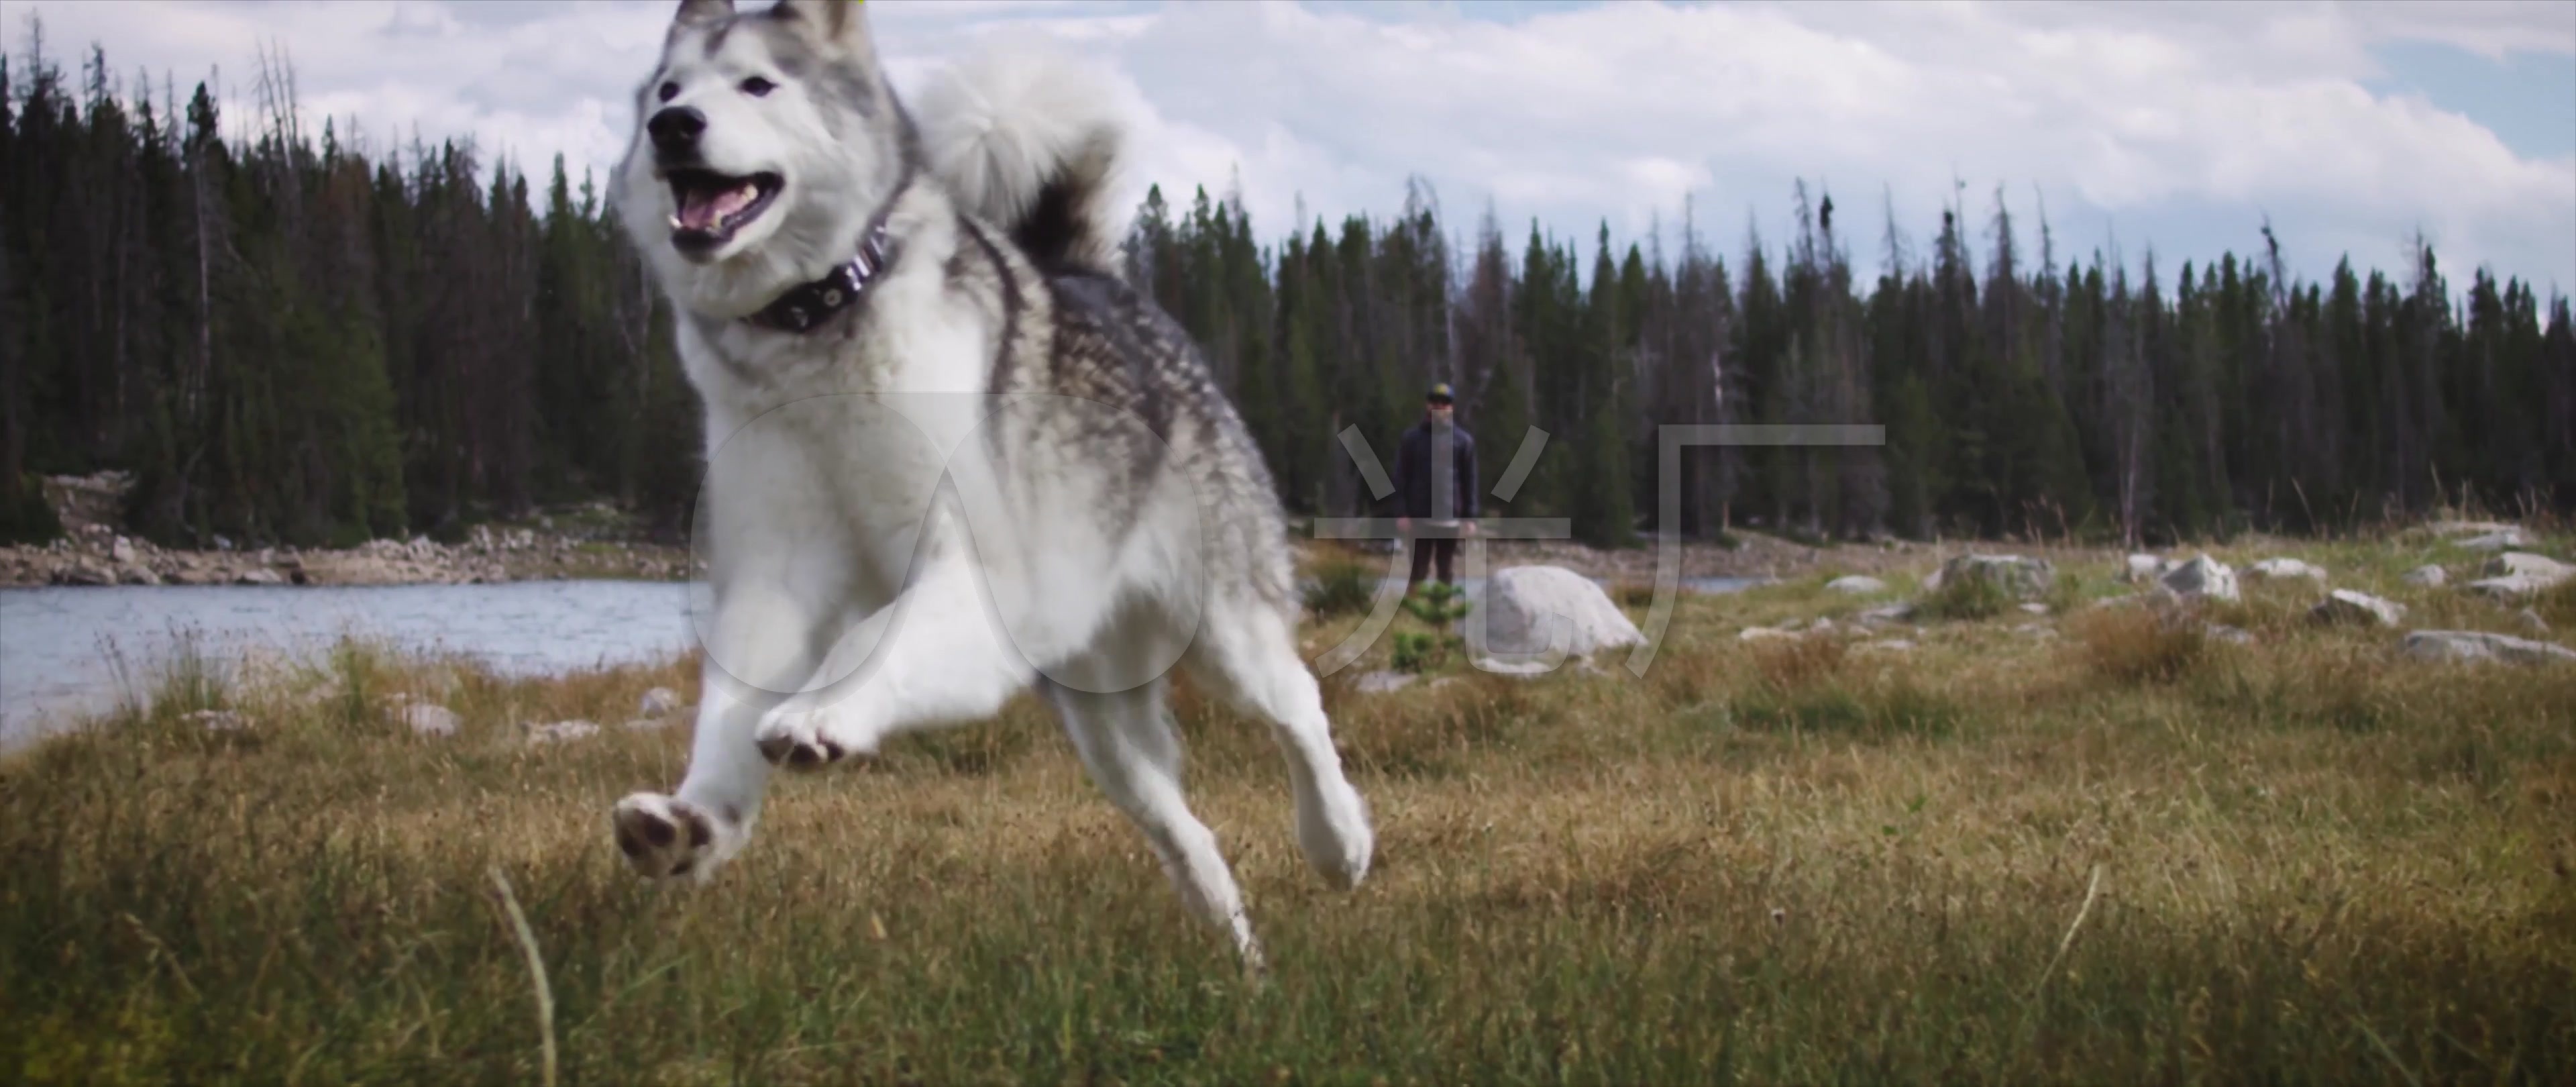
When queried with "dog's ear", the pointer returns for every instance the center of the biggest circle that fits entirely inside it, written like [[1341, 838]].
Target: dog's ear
[[693, 12], [839, 22]]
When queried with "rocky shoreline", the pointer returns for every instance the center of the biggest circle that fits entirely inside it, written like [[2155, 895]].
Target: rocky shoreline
[[487, 556], [92, 552]]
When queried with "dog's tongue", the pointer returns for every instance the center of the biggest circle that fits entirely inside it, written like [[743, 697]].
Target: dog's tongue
[[706, 209]]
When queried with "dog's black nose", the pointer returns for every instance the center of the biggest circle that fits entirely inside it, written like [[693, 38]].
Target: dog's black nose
[[676, 128]]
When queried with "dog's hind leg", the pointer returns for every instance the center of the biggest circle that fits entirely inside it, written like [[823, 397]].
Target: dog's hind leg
[[1246, 654], [1127, 743]]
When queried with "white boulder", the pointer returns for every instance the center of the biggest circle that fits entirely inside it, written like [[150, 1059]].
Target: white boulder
[[2508, 587], [1383, 681], [2506, 540], [2203, 576], [2469, 528], [216, 720], [428, 718], [561, 732], [2277, 568], [2428, 575], [2019, 576], [2478, 645], [2141, 569], [1533, 611], [1891, 613], [1857, 585], [2347, 606], [2539, 568]]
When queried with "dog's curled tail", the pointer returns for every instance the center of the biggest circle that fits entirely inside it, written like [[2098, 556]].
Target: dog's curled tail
[[1030, 141]]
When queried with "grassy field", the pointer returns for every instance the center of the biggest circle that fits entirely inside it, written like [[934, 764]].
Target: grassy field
[[2114, 852]]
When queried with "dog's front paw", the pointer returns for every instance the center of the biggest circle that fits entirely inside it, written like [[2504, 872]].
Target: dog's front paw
[[808, 738], [665, 837]]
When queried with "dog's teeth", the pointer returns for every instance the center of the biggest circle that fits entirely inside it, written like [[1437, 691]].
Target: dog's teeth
[[676, 224]]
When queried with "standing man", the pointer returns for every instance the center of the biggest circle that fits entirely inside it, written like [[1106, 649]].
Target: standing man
[[1435, 486]]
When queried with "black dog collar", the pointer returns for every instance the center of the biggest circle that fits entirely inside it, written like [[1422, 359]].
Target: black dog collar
[[801, 309]]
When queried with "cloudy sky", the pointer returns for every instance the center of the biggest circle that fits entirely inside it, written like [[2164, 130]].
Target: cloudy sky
[[2176, 126]]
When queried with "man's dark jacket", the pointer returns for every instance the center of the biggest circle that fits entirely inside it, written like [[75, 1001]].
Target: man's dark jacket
[[1414, 474]]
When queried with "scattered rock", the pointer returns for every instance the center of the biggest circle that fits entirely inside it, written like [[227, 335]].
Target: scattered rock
[[217, 720], [2506, 540], [2277, 568], [121, 552], [2140, 569], [660, 702], [2508, 587], [2475, 645], [427, 719], [2470, 528], [2035, 608], [1756, 634], [2159, 598], [2347, 606], [1892, 613], [258, 577], [561, 732], [1857, 585], [2427, 575], [2539, 568], [2020, 576], [83, 573], [1532, 611], [137, 575], [2036, 631], [2532, 621], [1513, 668], [2231, 635], [2203, 576], [1383, 682], [1889, 645], [648, 724]]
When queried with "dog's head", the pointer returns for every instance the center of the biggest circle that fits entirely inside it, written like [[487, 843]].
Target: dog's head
[[764, 143]]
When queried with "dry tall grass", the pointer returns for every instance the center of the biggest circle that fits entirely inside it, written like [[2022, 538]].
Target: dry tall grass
[[1804, 864]]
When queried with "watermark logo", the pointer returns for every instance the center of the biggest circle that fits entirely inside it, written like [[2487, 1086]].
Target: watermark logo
[[830, 526]]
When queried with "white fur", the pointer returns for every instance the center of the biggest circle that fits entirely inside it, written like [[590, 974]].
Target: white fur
[[873, 573]]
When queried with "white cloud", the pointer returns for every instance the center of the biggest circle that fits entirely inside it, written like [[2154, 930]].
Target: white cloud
[[2176, 124]]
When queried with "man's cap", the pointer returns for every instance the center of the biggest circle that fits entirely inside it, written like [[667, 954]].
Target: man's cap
[[1439, 391]]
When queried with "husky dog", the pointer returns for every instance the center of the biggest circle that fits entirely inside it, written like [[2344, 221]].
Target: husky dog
[[951, 454]]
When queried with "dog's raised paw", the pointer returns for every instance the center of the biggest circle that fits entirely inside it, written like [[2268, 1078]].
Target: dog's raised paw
[[665, 837], [803, 741]]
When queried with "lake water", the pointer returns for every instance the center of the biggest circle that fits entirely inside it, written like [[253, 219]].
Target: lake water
[[55, 642]]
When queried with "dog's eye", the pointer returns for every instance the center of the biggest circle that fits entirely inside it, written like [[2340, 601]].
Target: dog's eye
[[669, 91], [758, 87]]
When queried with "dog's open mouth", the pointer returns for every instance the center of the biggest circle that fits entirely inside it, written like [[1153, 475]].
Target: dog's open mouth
[[713, 206]]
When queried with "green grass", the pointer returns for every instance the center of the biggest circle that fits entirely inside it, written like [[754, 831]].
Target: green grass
[[1779, 862]]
